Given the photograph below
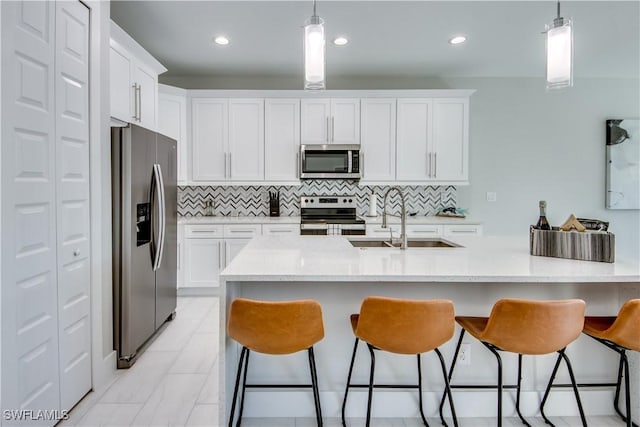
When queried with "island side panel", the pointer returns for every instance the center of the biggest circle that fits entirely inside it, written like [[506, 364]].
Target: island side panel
[[591, 362]]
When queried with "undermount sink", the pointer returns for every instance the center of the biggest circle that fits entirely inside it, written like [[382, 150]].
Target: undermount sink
[[411, 243]]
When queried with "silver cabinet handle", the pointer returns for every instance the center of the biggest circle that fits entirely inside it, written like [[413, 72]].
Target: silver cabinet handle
[[362, 164], [139, 103], [429, 164], [135, 101], [283, 230], [225, 165], [220, 263], [435, 164], [297, 165], [230, 168], [327, 135], [333, 129], [246, 230]]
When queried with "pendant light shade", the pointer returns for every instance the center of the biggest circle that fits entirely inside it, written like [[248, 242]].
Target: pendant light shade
[[559, 53], [314, 49]]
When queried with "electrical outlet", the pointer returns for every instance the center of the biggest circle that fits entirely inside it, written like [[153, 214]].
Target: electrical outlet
[[492, 196], [464, 355]]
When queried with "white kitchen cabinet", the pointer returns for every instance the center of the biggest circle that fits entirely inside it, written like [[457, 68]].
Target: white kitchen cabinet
[[180, 257], [133, 81], [280, 229], [233, 247], [414, 133], [376, 230], [172, 122], [203, 261], [462, 230], [424, 230], [378, 125], [330, 121], [210, 133], [246, 231], [451, 139], [281, 139], [246, 140]]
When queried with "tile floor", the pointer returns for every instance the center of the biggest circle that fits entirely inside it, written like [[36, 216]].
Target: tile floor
[[173, 384]]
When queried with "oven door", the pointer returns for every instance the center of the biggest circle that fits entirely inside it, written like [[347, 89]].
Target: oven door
[[313, 229], [330, 161]]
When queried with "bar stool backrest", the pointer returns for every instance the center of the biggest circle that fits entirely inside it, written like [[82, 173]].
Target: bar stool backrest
[[534, 327], [276, 327], [625, 331], [405, 326]]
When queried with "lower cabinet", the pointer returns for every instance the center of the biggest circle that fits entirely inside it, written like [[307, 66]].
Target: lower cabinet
[[203, 261], [424, 230], [281, 229], [463, 230], [232, 247]]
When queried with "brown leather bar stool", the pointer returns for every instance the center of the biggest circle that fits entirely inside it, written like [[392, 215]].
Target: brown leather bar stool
[[282, 327], [525, 327], [620, 334], [401, 326]]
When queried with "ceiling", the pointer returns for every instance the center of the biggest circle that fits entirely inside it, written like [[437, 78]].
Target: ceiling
[[387, 38]]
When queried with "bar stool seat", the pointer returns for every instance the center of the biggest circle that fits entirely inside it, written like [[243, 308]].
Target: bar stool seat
[[525, 327], [619, 333], [401, 326], [275, 328]]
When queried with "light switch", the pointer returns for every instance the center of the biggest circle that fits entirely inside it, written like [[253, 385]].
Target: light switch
[[492, 196]]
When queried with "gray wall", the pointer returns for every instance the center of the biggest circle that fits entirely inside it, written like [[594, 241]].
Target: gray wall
[[526, 144]]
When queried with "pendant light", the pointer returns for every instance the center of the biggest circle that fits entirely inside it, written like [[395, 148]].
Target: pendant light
[[314, 48], [559, 53]]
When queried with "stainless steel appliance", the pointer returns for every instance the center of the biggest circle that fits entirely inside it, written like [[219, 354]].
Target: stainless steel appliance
[[330, 215], [144, 176], [330, 161]]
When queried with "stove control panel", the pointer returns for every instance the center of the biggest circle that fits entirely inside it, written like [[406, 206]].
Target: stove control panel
[[328, 202]]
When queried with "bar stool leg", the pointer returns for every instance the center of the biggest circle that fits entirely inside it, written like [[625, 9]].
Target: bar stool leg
[[499, 359], [623, 356], [235, 389], [453, 365], [575, 386], [518, 391], [314, 385], [424, 419], [373, 367], [244, 387], [447, 390], [546, 392], [346, 391]]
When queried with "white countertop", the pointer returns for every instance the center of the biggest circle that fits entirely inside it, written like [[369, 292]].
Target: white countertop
[[482, 259], [239, 220]]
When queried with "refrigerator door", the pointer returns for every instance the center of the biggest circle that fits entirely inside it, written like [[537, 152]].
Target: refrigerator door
[[134, 278], [166, 279]]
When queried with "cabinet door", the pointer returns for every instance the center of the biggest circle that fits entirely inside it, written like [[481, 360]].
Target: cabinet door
[[121, 90], [147, 100], [281, 139], [414, 140], [233, 247], [424, 230], [209, 141], [246, 140], [345, 121], [450, 139], [378, 120], [314, 120], [462, 230], [203, 260], [280, 229], [172, 122]]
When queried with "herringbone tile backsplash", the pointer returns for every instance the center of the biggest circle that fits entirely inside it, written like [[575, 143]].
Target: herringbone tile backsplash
[[254, 200]]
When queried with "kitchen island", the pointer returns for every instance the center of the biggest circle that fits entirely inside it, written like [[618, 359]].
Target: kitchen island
[[485, 269]]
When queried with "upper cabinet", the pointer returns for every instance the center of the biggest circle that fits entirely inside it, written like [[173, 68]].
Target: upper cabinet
[[172, 122], [228, 139], [281, 139], [134, 81], [378, 122], [330, 121], [451, 139], [414, 146]]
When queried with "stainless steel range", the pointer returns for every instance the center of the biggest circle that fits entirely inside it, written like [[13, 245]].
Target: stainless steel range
[[330, 215]]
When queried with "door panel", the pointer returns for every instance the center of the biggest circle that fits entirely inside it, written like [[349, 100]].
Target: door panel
[[282, 139], [203, 262], [246, 139], [72, 190], [450, 139], [147, 102], [210, 136], [121, 90], [314, 120], [379, 139], [166, 288], [233, 247], [414, 139], [30, 368], [345, 121]]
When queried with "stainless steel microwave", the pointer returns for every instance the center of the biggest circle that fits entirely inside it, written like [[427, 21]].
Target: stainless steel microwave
[[330, 161]]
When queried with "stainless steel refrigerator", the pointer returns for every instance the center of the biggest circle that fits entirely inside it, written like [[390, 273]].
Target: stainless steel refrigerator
[[145, 219]]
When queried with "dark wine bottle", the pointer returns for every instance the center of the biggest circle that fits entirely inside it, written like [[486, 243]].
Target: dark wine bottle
[[543, 224]]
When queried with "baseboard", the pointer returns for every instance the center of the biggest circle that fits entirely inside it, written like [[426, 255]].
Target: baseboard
[[394, 404], [198, 292]]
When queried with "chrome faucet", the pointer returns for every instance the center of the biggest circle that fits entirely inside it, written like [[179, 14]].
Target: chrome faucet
[[403, 216]]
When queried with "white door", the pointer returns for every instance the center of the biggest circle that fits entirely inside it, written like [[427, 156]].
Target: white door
[[172, 121], [30, 369], [203, 260], [378, 121], [120, 84], [209, 140], [414, 133], [233, 247], [281, 139], [450, 139], [147, 97], [314, 120], [72, 194], [345, 121], [246, 140]]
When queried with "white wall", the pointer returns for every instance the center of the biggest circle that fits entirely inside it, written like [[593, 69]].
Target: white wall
[[526, 144]]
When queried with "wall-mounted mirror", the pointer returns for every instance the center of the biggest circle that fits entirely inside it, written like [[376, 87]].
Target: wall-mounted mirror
[[623, 164]]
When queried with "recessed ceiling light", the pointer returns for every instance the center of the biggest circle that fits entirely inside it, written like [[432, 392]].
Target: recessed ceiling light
[[457, 39], [221, 40], [340, 41]]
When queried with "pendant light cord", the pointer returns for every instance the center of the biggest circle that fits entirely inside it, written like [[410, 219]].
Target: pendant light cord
[[314, 8]]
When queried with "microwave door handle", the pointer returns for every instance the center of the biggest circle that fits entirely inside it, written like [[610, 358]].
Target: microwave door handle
[[303, 158], [349, 161]]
